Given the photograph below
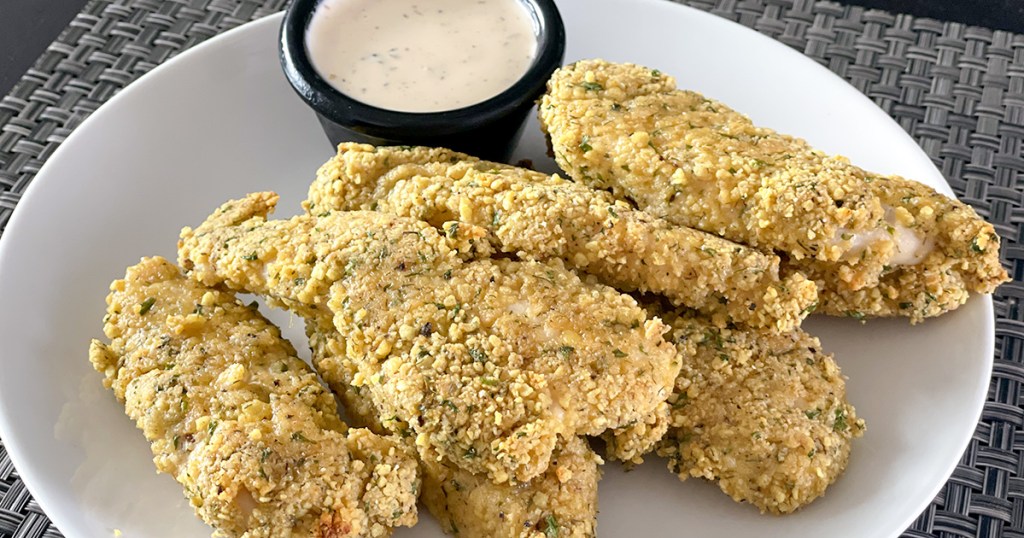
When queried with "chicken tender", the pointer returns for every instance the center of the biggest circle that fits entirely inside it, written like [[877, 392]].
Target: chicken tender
[[762, 414], [537, 216], [962, 256], [243, 424], [287, 261], [489, 361], [695, 162], [560, 502]]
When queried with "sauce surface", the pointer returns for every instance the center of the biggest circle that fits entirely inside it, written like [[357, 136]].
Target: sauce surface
[[421, 55]]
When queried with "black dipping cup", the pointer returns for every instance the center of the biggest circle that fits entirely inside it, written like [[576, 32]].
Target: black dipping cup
[[489, 129]]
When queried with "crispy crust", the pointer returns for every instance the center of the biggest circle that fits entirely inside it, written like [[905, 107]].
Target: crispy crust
[[762, 414], [631, 443], [487, 375], [964, 259], [536, 216], [695, 162], [239, 420], [560, 502]]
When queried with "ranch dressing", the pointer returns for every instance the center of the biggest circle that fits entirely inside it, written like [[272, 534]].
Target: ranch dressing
[[421, 55]]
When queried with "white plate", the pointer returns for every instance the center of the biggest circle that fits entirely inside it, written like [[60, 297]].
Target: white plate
[[220, 121]]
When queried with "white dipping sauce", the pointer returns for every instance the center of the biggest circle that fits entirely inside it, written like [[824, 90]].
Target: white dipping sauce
[[421, 55]]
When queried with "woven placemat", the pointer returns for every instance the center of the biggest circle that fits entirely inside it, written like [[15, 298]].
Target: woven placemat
[[958, 90]]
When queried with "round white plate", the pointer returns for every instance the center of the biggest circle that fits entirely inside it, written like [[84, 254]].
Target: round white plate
[[220, 121]]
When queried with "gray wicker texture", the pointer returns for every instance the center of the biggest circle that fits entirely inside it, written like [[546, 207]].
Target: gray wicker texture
[[958, 90]]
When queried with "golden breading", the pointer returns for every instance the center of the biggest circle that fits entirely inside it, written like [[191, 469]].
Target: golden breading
[[362, 173], [242, 423], [488, 361], [695, 162], [289, 251], [631, 443], [560, 502], [964, 258], [763, 414], [537, 216]]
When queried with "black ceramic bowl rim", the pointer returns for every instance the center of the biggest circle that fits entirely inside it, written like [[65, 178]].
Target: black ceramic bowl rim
[[390, 124]]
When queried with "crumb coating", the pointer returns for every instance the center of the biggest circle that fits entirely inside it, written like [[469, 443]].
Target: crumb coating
[[560, 502], [294, 262], [536, 216], [242, 423], [631, 443], [695, 162], [964, 258], [762, 414], [488, 361]]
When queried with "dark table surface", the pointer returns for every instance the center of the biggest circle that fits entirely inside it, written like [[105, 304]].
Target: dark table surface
[[28, 26]]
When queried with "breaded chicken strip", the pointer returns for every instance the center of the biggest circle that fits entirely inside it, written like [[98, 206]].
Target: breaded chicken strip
[[240, 421], [489, 362], [762, 414], [560, 502], [695, 162], [287, 261], [537, 216], [962, 257]]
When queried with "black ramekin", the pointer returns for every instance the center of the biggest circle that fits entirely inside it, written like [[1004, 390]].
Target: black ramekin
[[489, 129]]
